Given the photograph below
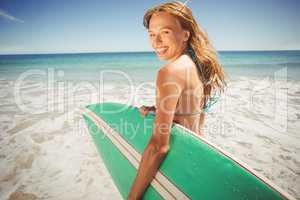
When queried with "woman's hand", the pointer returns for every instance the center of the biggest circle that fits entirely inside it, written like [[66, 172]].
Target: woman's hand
[[144, 110]]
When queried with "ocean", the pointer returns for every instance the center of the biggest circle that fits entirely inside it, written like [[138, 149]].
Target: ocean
[[142, 66]]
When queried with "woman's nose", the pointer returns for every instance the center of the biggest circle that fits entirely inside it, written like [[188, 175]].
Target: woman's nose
[[157, 39]]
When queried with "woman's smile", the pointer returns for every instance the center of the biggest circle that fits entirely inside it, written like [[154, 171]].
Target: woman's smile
[[160, 51]]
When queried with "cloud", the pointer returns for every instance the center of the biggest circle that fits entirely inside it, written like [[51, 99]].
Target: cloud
[[9, 17]]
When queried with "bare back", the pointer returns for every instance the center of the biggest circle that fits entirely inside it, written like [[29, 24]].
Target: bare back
[[189, 110]]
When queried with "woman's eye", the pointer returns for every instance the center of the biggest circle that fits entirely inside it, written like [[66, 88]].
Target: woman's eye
[[151, 35], [166, 32]]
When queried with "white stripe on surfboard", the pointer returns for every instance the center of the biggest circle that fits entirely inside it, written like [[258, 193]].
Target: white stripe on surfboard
[[108, 132], [239, 162], [160, 183]]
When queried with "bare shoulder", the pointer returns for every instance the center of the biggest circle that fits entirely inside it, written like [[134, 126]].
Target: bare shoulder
[[181, 63], [168, 81], [176, 70]]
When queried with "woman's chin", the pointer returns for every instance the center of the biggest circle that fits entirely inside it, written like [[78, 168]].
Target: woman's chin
[[162, 57]]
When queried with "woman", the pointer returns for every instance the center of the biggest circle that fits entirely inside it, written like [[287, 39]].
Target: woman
[[184, 85]]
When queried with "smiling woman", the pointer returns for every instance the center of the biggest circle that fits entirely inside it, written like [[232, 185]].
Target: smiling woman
[[167, 37], [176, 37], [183, 86]]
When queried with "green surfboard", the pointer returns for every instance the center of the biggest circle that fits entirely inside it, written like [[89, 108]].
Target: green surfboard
[[194, 168]]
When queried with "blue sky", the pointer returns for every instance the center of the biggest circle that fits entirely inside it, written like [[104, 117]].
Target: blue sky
[[57, 26]]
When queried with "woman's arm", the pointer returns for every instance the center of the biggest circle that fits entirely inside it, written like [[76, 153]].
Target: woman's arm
[[168, 92]]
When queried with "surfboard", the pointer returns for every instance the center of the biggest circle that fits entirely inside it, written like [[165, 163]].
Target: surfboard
[[194, 167]]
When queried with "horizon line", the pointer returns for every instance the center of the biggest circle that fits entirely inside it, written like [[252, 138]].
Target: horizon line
[[104, 52]]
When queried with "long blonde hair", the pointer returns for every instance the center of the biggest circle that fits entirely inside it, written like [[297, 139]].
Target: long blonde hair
[[212, 73]]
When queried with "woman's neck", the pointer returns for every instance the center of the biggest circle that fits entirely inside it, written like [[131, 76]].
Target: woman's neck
[[180, 52]]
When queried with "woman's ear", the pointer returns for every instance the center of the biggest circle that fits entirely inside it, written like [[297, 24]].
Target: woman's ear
[[186, 36]]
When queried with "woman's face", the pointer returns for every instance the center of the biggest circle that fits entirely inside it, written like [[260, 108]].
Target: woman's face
[[167, 37]]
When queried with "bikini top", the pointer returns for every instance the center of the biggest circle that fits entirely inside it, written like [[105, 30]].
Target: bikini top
[[206, 108]]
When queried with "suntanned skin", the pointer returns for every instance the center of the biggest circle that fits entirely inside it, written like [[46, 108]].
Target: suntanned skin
[[178, 89]]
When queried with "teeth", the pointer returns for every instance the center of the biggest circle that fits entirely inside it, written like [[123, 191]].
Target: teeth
[[161, 50]]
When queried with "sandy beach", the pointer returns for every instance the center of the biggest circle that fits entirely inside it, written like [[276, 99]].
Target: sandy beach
[[47, 153]]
